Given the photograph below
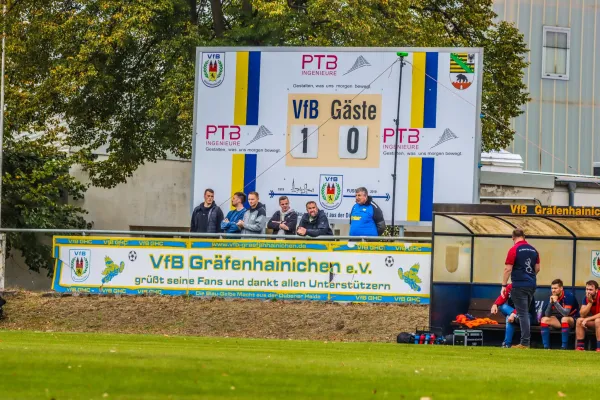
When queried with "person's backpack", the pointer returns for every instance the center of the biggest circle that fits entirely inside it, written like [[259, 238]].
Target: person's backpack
[[2, 303], [405, 337]]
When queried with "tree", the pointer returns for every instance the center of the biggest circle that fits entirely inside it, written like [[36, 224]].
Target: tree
[[124, 77], [36, 184], [119, 74]]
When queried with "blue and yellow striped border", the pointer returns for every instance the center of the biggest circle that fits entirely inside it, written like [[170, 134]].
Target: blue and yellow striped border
[[420, 189], [243, 173], [424, 90], [247, 88]]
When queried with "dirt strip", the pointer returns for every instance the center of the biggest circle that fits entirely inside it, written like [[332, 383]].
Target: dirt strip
[[211, 317]]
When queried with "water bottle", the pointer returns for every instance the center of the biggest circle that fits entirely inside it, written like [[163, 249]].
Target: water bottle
[[422, 339], [432, 339], [427, 339], [416, 339]]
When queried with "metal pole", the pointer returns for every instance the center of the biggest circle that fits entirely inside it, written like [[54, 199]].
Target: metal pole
[[2, 262], [396, 144], [2, 104], [2, 237]]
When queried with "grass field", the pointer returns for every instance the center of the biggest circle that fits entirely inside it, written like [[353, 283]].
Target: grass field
[[101, 366]]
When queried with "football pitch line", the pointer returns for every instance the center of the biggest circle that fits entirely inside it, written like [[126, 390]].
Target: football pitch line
[[46, 365]]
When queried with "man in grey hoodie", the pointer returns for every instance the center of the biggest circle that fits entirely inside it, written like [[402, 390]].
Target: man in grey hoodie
[[255, 218]]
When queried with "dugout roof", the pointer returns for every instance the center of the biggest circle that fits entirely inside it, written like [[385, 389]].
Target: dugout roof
[[536, 221], [470, 242]]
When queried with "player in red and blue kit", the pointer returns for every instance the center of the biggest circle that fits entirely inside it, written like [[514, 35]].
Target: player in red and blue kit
[[590, 315], [506, 306], [561, 312]]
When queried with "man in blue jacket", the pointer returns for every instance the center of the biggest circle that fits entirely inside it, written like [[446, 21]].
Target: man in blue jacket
[[366, 218], [230, 223]]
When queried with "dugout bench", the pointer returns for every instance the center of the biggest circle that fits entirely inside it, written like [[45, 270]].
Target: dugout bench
[[469, 246], [480, 308]]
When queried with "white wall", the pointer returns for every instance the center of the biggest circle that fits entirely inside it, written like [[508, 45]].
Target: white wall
[[158, 195]]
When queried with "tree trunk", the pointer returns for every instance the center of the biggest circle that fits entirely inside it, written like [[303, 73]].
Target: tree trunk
[[218, 19], [193, 12], [247, 8]]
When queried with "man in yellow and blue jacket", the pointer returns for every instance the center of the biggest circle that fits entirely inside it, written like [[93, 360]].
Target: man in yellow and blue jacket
[[366, 218]]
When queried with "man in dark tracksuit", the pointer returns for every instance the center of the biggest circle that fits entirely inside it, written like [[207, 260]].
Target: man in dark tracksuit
[[207, 217], [366, 218], [521, 266], [284, 222], [314, 223]]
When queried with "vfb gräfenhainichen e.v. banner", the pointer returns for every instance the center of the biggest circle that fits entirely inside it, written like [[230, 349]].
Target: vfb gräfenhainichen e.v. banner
[[252, 269]]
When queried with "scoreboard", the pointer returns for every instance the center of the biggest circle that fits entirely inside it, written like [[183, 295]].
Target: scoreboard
[[314, 124]]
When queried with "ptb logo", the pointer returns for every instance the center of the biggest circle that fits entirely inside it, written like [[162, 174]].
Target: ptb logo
[[319, 64], [410, 135], [223, 132]]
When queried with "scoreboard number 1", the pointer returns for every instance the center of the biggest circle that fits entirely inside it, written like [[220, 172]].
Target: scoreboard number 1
[[305, 141], [353, 142]]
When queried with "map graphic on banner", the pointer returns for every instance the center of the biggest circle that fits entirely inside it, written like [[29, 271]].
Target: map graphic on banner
[[314, 124], [313, 270]]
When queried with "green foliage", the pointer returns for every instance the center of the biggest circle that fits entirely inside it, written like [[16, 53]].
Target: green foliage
[[36, 185], [119, 75]]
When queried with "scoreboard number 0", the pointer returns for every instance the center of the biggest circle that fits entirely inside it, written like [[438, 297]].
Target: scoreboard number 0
[[353, 142]]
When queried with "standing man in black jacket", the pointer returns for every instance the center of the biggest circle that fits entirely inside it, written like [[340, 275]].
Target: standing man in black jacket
[[284, 222], [207, 217]]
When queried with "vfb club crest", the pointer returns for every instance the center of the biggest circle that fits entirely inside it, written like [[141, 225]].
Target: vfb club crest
[[596, 263], [462, 70], [213, 69], [330, 191], [79, 263]]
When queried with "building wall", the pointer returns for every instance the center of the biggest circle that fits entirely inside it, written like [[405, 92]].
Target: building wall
[[158, 195], [557, 132]]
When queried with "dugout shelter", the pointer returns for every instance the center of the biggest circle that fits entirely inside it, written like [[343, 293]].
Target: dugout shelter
[[470, 244]]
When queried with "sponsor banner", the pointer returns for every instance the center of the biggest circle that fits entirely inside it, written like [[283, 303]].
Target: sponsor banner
[[315, 124], [255, 269]]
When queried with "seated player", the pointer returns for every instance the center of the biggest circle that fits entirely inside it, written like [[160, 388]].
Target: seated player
[[590, 316], [506, 306], [561, 312]]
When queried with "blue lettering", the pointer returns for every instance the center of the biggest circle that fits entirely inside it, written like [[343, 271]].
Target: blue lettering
[[314, 109], [308, 109], [156, 264]]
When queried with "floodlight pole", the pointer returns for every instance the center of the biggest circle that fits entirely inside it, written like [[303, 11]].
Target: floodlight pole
[[2, 102], [3, 236], [402, 63]]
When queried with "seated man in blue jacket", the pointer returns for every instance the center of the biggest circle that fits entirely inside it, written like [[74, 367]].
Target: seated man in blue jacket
[[229, 224], [366, 218]]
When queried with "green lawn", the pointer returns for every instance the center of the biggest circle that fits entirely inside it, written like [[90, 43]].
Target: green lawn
[[94, 366]]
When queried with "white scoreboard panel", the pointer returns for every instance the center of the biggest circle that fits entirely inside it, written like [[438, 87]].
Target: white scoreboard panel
[[314, 124]]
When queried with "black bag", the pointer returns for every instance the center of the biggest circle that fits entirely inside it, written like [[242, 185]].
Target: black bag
[[2, 303], [405, 337]]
